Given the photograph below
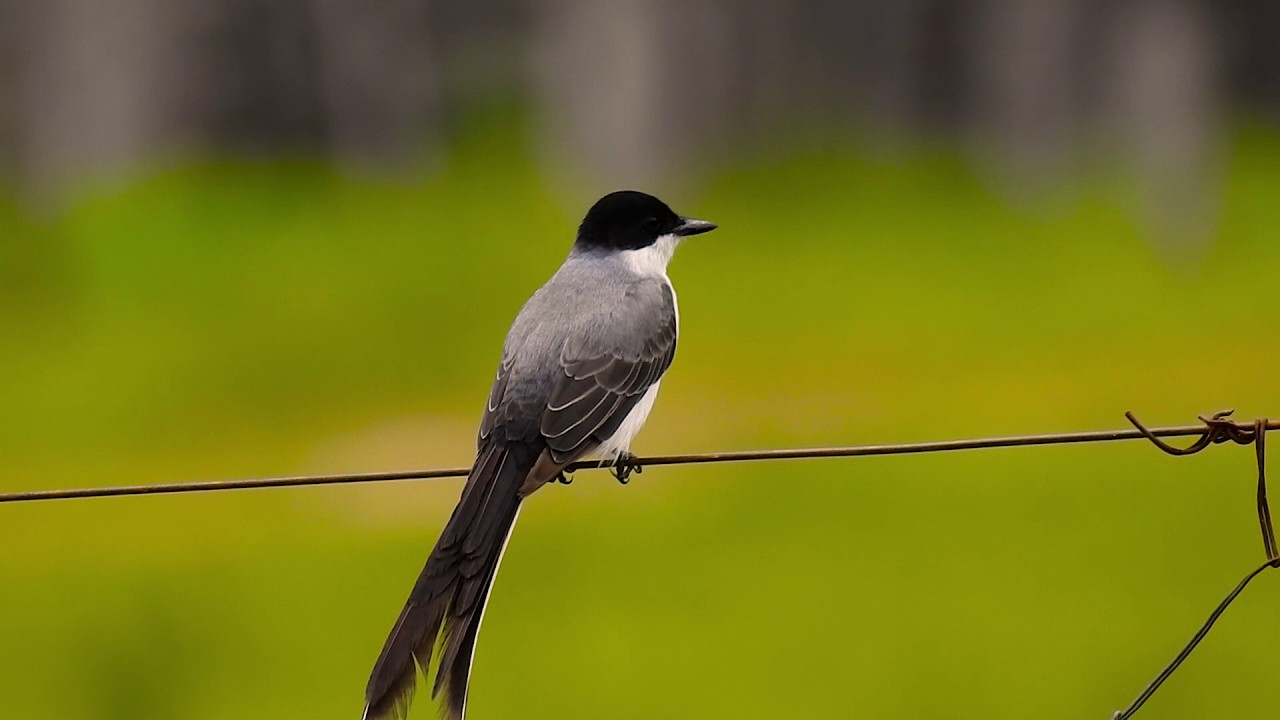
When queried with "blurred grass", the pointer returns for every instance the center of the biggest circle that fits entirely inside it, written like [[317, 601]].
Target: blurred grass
[[231, 319]]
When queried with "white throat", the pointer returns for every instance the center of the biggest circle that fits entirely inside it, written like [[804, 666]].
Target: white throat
[[652, 260]]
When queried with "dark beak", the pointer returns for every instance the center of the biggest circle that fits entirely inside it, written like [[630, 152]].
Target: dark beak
[[689, 226]]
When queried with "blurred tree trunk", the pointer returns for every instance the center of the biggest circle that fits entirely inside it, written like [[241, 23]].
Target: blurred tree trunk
[[1023, 100], [703, 85], [634, 92], [774, 67], [110, 85], [637, 92], [886, 62], [378, 79], [263, 57], [14, 29], [90, 105], [1166, 108], [600, 82], [1255, 55]]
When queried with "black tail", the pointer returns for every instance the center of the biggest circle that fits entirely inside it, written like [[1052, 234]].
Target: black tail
[[448, 599]]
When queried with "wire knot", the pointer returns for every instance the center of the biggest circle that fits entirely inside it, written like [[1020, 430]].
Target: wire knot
[[1218, 428]]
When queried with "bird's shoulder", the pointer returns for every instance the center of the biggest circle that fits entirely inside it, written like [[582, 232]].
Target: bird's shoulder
[[640, 324], [592, 311]]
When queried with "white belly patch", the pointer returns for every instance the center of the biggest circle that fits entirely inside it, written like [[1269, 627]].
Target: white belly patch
[[620, 442]]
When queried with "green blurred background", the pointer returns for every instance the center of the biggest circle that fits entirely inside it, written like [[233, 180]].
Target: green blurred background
[[292, 305]]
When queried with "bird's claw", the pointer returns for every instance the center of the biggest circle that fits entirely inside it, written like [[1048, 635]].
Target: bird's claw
[[563, 478], [624, 466]]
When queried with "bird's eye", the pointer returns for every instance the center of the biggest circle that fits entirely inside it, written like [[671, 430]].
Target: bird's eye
[[650, 224]]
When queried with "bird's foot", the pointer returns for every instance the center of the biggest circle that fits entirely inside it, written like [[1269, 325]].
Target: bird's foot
[[624, 465], [563, 478]]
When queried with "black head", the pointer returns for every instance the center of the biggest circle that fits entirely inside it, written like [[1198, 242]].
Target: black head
[[630, 220]]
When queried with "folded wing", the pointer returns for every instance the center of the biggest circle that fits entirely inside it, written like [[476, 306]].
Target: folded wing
[[605, 372]]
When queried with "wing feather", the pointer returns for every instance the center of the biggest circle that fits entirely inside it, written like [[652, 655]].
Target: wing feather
[[496, 393], [605, 375]]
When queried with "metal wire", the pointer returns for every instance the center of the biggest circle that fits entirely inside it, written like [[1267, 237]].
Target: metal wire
[[1173, 666], [1216, 429], [1205, 431]]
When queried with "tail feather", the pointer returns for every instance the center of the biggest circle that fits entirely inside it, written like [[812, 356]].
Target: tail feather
[[460, 637], [447, 601]]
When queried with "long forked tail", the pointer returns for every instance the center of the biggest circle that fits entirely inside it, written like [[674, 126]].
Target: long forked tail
[[447, 602]]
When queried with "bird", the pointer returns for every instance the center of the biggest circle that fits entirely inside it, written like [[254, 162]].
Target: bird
[[578, 376]]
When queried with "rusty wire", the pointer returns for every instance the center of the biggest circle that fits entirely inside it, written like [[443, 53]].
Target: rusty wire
[[716, 457], [1217, 429]]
